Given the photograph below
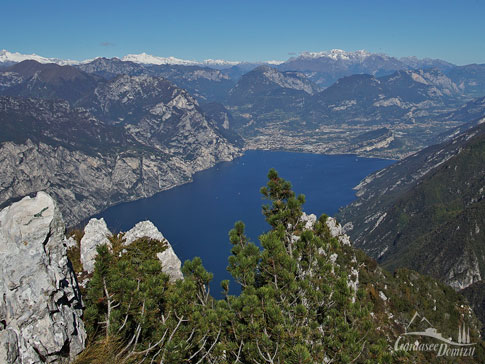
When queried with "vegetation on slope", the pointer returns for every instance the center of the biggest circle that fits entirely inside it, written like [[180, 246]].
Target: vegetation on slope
[[306, 297], [437, 226]]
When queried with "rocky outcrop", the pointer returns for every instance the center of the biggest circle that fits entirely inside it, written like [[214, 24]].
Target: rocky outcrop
[[96, 233], [40, 309], [170, 262], [337, 231]]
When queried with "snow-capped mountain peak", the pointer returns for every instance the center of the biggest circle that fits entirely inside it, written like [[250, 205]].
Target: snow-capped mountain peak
[[15, 57], [274, 62], [220, 62], [337, 54], [145, 58]]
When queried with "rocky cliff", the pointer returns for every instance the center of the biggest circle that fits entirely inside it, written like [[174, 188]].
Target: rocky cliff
[[89, 162], [40, 309]]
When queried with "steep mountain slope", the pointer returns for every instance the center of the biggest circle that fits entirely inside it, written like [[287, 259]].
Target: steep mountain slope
[[111, 67], [222, 119], [402, 96], [56, 123], [126, 99], [154, 111], [48, 81], [267, 94], [471, 114], [427, 63], [475, 294], [427, 212], [264, 80], [471, 111], [88, 164], [470, 78], [206, 84]]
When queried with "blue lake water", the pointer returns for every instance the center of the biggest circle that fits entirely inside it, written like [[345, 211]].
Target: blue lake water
[[196, 217]]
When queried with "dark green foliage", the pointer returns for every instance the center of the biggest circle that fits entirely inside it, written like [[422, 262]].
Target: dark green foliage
[[125, 294], [131, 302], [245, 257], [285, 208]]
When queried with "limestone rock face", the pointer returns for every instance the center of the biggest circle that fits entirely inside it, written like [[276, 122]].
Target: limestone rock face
[[170, 262], [40, 309], [337, 231], [95, 233], [167, 141], [309, 220]]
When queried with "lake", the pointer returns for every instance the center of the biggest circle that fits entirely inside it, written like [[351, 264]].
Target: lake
[[196, 217]]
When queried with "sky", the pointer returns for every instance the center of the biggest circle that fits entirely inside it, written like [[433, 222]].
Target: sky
[[244, 30]]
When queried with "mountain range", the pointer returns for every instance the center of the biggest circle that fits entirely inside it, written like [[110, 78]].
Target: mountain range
[[324, 68], [286, 110]]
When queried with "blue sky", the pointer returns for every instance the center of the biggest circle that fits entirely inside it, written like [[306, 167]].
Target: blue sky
[[244, 30]]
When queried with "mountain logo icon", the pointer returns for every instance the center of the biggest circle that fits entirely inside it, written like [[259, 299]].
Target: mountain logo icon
[[420, 326]]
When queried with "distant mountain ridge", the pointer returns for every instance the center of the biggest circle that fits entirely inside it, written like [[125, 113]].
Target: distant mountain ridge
[[47, 81], [362, 57], [9, 58], [322, 68]]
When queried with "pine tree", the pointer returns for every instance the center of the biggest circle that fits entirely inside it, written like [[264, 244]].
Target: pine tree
[[296, 305]]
